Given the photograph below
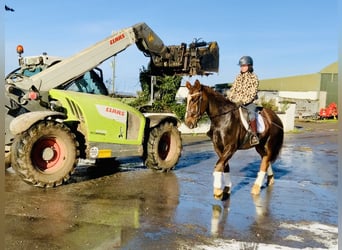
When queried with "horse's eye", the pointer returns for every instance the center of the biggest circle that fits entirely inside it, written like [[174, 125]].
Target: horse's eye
[[195, 99]]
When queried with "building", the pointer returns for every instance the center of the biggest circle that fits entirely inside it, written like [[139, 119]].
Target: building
[[310, 92]]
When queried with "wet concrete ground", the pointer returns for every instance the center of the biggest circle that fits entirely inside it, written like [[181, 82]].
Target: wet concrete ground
[[125, 206]]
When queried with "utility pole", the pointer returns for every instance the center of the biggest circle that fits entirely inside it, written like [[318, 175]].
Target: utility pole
[[153, 83]]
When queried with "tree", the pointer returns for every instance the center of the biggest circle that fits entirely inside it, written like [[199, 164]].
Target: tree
[[164, 94]]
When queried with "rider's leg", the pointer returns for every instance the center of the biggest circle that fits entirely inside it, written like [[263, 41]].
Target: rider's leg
[[254, 137], [254, 140]]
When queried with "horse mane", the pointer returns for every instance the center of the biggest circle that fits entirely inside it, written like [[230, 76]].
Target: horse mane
[[217, 95]]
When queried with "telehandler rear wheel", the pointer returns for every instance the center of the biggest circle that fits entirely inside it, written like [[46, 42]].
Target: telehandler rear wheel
[[164, 147], [45, 155]]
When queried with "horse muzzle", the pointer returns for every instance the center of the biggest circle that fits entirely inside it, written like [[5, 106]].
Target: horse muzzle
[[191, 124]]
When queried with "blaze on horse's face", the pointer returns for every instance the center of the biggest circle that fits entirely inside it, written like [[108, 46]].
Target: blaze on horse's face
[[194, 104]]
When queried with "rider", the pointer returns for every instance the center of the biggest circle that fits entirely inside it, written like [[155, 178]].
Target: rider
[[244, 91]]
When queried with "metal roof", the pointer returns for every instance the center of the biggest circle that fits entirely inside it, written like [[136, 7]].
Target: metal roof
[[332, 68], [309, 82]]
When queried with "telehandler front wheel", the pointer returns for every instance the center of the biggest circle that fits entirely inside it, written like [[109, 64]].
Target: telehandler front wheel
[[7, 159], [45, 155], [164, 147]]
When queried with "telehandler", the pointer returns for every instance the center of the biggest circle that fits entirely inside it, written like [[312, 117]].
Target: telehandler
[[59, 110]]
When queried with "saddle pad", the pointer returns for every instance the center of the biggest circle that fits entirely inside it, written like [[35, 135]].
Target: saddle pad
[[260, 123], [259, 120]]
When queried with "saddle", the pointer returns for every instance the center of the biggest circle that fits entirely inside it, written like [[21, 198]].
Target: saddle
[[245, 121]]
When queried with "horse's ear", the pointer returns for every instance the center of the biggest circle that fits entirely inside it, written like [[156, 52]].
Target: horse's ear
[[188, 84], [197, 84]]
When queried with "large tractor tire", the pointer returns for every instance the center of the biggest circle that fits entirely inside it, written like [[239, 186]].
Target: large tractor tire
[[45, 155], [7, 159], [164, 147]]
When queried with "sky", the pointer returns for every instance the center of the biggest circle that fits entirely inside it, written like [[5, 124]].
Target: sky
[[284, 38]]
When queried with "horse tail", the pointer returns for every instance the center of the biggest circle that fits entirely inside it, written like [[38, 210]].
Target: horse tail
[[276, 139]]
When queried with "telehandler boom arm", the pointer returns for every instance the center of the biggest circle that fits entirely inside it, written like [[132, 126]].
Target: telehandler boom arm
[[199, 59]]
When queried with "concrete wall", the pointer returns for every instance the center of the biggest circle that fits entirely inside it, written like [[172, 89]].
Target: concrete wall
[[201, 129], [310, 95], [288, 118], [308, 103]]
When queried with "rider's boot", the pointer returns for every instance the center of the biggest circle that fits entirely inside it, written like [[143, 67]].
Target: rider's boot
[[254, 140]]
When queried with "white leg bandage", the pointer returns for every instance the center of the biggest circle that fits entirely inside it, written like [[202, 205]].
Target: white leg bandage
[[269, 170], [218, 180], [227, 181], [259, 180]]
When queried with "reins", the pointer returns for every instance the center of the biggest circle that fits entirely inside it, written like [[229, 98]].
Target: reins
[[227, 112], [275, 124], [199, 107]]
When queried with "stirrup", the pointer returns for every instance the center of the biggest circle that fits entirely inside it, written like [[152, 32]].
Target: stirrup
[[254, 140]]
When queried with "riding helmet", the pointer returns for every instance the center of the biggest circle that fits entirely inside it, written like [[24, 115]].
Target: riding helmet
[[246, 60]]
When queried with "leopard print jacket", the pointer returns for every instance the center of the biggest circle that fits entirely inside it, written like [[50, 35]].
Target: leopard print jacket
[[244, 89]]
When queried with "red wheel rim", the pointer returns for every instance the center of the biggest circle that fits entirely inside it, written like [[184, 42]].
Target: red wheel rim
[[47, 154], [164, 146]]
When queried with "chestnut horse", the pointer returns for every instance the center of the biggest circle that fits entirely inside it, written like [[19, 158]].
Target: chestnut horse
[[228, 135]]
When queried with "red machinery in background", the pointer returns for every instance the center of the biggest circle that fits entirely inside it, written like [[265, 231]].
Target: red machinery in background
[[330, 112]]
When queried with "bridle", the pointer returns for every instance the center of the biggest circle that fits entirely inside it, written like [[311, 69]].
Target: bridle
[[197, 113]]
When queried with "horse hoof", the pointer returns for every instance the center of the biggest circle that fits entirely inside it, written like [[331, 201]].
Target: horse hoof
[[222, 196], [218, 194], [225, 196], [270, 180], [255, 189], [226, 190], [218, 197]]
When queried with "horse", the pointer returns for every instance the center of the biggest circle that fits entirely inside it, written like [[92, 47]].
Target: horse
[[228, 134]]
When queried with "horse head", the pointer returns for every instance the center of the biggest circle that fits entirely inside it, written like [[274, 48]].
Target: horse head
[[196, 104]]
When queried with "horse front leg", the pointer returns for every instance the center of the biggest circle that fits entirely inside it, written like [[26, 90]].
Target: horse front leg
[[222, 182], [270, 175]]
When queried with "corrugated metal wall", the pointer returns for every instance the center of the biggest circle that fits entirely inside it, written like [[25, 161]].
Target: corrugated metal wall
[[329, 84], [309, 82]]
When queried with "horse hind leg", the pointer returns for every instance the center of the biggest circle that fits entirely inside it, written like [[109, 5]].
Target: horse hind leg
[[265, 166], [258, 183], [260, 178]]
